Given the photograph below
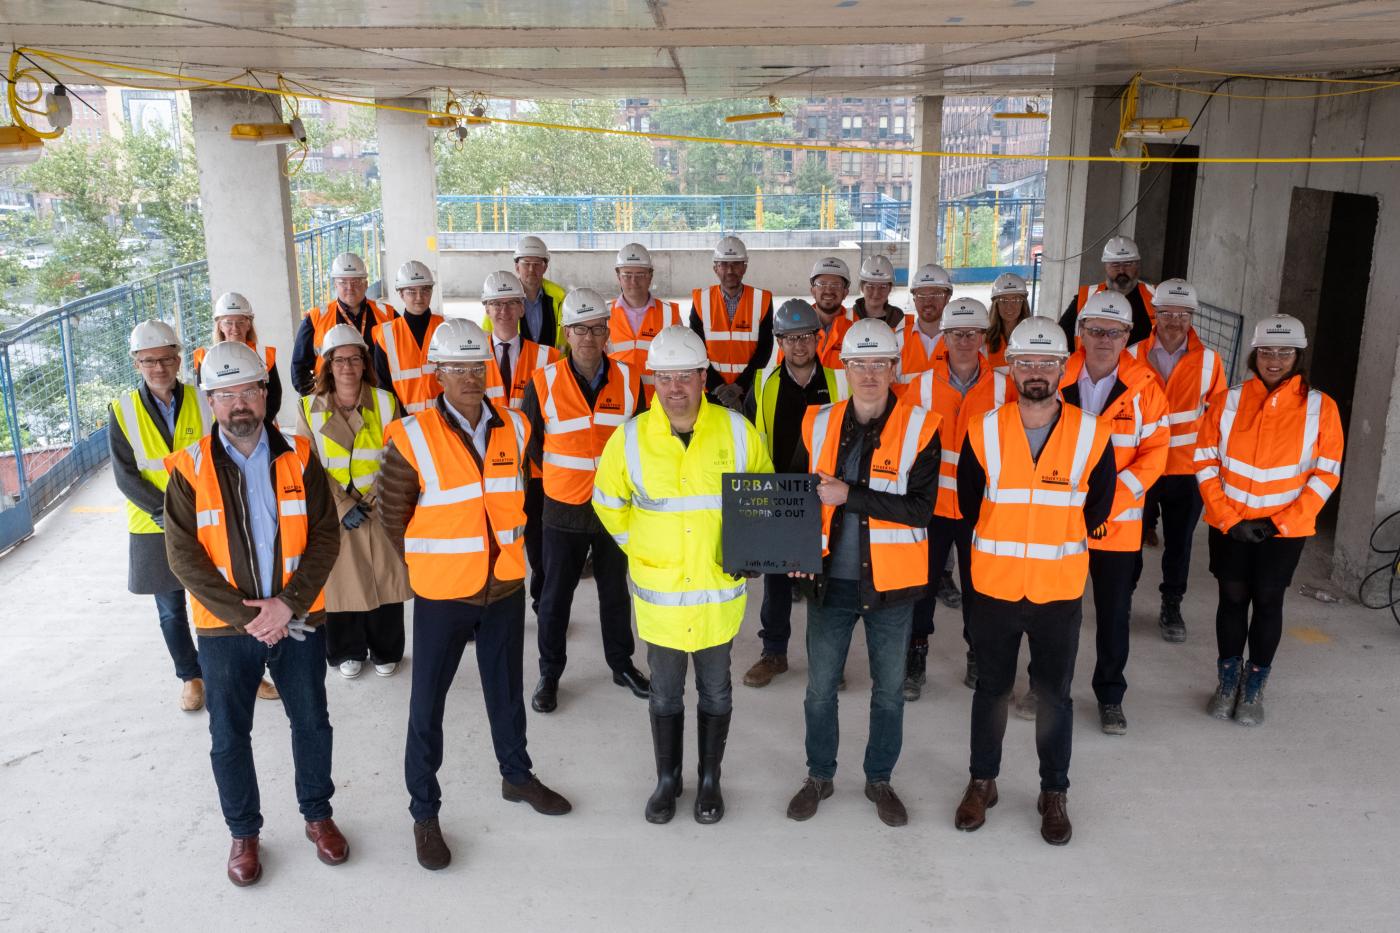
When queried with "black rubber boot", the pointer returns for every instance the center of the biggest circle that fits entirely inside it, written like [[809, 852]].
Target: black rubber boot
[[668, 740], [714, 732]]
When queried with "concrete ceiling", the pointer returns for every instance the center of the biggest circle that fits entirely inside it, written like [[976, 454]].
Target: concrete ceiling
[[710, 48]]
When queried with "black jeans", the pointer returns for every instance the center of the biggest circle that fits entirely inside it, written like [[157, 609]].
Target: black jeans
[[233, 667], [945, 534], [1179, 500], [775, 615], [175, 628], [355, 636], [1052, 630], [534, 540], [565, 553], [668, 669], [440, 630], [1114, 575]]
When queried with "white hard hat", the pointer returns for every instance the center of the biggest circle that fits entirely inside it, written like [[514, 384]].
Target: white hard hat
[[413, 274], [965, 312], [1176, 293], [1009, 283], [149, 335], [231, 303], [341, 335], [731, 249], [1110, 306], [677, 348], [582, 305], [877, 269], [869, 338], [633, 254], [1037, 336], [830, 265], [931, 275], [231, 364], [1120, 249], [348, 266], [1279, 330], [501, 285], [532, 247], [459, 340]]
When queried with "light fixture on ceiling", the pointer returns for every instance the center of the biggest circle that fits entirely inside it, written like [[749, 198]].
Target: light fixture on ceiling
[[18, 146], [269, 134], [1146, 129], [1032, 112], [58, 108], [774, 114]]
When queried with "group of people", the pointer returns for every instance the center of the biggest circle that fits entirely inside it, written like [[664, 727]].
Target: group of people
[[435, 459]]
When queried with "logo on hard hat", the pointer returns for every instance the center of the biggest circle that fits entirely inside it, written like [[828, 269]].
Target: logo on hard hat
[[228, 369], [1039, 339], [1278, 329], [867, 342]]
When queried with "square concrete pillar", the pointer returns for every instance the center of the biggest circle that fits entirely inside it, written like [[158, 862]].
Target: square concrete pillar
[[924, 207], [408, 192], [247, 208]]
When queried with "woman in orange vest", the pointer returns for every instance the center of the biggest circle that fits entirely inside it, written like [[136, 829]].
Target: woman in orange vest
[[877, 458], [1267, 459], [1010, 306], [233, 320]]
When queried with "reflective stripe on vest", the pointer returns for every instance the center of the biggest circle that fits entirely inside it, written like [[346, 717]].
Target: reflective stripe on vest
[[323, 319], [527, 362], [414, 379], [731, 341], [627, 346], [149, 449], [769, 385], [573, 444], [357, 467], [1307, 462]]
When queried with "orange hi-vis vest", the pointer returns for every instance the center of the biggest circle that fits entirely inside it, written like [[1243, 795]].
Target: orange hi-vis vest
[[1138, 431], [574, 433], [269, 355], [459, 504], [1274, 455], [532, 358], [627, 346], [731, 342], [898, 553], [1030, 541], [934, 390], [1144, 292], [913, 358], [414, 380], [1197, 382], [829, 347], [323, 319], [196, 464]]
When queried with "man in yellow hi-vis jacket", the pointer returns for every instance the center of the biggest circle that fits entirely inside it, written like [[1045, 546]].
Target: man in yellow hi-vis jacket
[[658, 494]]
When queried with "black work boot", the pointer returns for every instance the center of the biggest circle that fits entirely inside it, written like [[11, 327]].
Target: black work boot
[[1250, 709], [915, 671], [1227, 693], [1169, 622], [668, 741], [714, 732]]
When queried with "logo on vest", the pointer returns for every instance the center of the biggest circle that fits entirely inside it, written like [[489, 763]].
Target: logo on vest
[[1054, 479], [502, 459], [292, 490]]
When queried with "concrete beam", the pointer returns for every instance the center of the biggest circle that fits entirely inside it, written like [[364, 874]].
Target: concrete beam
[[247, 208], [923, 222], [408, 192]]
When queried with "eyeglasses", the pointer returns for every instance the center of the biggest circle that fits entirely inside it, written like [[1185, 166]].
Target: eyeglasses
[[462, 369], [796, 339], [1103, 333], [1173, 315], [159, 362], [634, 276], [504, 304], [228, 398], [869, 366], [348, 362], [677, 378], [928, 294], [417, 291], [534, 265], [963, 333], [585, 330], [1275, 353], [1036, 366]]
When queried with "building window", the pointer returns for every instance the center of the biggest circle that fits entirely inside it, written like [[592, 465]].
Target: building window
[[850, 163], [882, 165], [851, 127], [899, 125], [816, 127], [884, 131], [785, 160]]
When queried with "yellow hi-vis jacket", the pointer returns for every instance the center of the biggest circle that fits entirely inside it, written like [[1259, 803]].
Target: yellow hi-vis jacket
[[660, 500], [149, 447]]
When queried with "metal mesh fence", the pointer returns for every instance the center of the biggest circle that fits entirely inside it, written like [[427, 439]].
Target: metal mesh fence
[[1222, 331]]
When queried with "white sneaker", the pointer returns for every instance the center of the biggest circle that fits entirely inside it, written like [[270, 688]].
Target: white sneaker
[[351, 669], [386, 670]]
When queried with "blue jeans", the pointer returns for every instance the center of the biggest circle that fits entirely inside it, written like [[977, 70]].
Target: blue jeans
[[829, 628], [233, 667], [668, 669], [175, 626]]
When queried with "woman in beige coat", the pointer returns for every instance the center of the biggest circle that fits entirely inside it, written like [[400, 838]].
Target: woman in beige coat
[[344, 418]]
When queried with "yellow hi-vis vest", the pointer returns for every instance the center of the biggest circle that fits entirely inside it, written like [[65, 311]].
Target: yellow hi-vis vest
[[150, 448], [767, 396], [660, 500], [357, 467]]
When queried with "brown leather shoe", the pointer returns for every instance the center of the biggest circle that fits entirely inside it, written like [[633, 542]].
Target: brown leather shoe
[[804, 803], [331, 846], [244, 868], [433, 853], [266, 691], [765, 669], [887, 803], [980, 796], [1054, 817], [192, 695], [536, 795]]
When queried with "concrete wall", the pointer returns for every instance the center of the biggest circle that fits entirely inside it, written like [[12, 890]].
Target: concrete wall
[[783, 271]]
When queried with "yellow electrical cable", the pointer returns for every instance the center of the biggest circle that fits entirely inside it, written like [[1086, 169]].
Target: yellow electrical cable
[[1264, 77], [756, 144], [1185, 89], [20, 104]]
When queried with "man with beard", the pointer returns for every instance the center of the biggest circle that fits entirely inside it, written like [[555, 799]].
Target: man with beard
[[251, 531], [1121, 264], [736, 322], [920, 340], [830, 283], [1033, 477]]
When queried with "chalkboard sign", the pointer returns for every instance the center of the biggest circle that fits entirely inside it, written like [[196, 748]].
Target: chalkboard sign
[[772, 523]]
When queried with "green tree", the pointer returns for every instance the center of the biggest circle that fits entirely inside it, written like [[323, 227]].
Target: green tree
[[711, 168], [165, 183], [813, 175]]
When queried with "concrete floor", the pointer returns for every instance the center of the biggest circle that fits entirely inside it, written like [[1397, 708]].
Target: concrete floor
[[110, 819]]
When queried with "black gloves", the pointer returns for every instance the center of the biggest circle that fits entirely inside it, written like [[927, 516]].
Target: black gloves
[[159, 519], [1099, 533], [1253, 531], [355, 516]]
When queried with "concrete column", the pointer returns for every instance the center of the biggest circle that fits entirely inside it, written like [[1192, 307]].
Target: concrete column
[[408, 192], [247, 209], [924, 208]]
